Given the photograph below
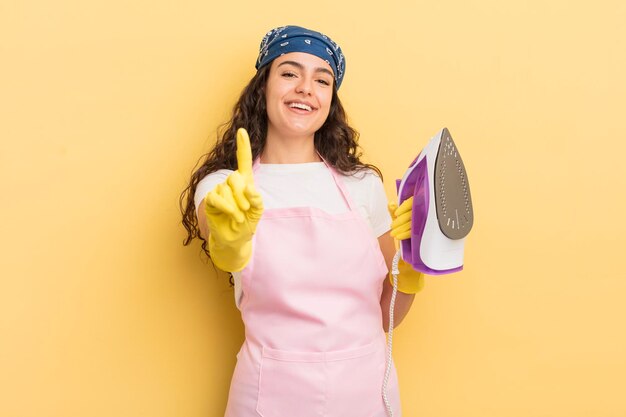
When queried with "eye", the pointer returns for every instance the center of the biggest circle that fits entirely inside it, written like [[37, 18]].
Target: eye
[[288, 74], [323, 82]]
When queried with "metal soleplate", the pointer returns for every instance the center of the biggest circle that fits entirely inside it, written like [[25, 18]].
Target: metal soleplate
[[453, 200]]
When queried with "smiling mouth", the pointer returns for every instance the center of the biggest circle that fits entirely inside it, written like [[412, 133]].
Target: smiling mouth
[[300, 106]]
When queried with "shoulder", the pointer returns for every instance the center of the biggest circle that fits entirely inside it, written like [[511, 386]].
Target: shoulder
[[366, 179], [218, 175]]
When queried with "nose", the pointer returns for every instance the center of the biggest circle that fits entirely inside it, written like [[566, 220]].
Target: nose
[[304, 86]]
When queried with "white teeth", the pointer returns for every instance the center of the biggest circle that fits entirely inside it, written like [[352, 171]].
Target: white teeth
[[300, 106]]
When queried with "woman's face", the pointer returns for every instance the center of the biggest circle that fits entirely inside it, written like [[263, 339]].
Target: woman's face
[[298, 94]]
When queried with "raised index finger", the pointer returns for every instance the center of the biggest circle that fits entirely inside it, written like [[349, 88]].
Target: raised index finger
[[244, 153]]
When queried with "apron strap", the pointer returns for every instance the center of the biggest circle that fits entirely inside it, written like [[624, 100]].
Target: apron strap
[[340, 184]]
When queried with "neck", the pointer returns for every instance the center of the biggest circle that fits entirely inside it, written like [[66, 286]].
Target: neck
[[289, 150]]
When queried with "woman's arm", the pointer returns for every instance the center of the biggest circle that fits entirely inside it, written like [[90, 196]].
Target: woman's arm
[[202, 225], [403, 301]]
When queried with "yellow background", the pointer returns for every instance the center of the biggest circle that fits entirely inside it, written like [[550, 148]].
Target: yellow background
[[106, 106]]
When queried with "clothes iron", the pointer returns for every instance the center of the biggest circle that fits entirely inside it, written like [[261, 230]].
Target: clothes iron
[[442, 207], [442, 215]]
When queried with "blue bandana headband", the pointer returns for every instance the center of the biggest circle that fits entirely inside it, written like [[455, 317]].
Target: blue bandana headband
[[285, 39]]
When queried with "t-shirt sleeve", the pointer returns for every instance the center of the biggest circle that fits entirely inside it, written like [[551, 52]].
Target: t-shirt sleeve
[[379, 215], [207, 184]]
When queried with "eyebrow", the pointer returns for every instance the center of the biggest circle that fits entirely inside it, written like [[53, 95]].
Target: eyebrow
[[300, 66]]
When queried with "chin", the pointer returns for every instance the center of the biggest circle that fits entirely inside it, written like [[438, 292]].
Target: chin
[[301, 130]]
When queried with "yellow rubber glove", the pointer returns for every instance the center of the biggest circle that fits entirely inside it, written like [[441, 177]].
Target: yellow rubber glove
[[233, 210], [410, 281]]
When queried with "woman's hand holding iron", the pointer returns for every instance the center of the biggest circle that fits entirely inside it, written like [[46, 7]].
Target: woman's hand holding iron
[[410, 281], [233, 210]]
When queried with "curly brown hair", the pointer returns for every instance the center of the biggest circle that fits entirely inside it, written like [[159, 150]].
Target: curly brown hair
[[335, 141]]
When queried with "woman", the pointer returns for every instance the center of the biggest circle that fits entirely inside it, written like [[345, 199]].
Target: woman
[[289, 209]]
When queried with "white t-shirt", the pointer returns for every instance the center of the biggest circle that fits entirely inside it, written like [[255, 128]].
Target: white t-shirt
[[310, 185]]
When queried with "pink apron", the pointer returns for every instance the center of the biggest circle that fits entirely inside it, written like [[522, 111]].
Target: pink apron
[[315, 344]]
